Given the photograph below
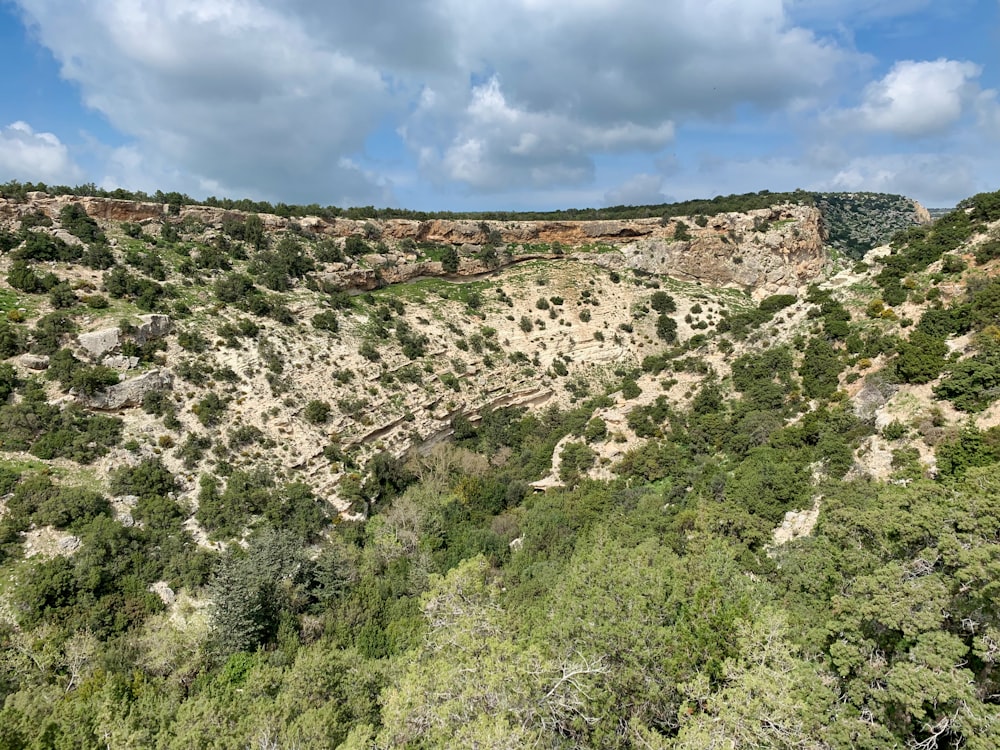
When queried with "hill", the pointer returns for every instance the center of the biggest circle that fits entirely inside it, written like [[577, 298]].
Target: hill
[[666, 481]]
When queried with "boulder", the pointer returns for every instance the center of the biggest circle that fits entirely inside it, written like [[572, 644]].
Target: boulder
[[34, 361], [130, 392], [98, 343], [120, 362], [152, 327]]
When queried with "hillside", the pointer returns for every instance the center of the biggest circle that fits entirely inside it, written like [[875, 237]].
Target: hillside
[[288, 481]]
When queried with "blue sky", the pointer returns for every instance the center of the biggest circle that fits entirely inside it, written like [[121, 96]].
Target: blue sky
[[522, 104]]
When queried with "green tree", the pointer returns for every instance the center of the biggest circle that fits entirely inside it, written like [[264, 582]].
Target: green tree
[[251, 590]]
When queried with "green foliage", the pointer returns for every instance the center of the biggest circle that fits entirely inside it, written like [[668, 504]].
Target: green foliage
[[42, 246], [449, 259], [145, 480], [630, 389], [251, 590], [210, 409], [326, 321], [24, 278], [147, 294], [973, 383], [820, 369], [233, 287], [316, 412], [355, 246], [13, 340], [920, 359], [666, 328], [662, 302], [741, 323], [574, 459], [769, 482]]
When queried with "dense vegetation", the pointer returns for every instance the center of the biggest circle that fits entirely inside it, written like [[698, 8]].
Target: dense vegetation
[[857, 222], [652, 610]]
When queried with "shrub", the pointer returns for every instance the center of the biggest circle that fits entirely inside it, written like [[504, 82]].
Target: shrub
[[210, 409], [894, 430], [148, 479], [574, 459], [666, 328], [630, 389], [316, 412], [326, 321]]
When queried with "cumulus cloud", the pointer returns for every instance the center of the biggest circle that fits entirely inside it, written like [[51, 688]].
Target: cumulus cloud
[[638, 190], [35, 157], [935, 179], [498, 143], [272, 98], [228, 90], [917, 99]]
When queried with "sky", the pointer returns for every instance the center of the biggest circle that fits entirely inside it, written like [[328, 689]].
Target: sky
[[455, 105]]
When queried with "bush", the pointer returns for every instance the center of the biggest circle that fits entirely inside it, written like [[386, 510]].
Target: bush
[[316, 412], [90, 380], [574, 459], [148, 479], [894, 430], [326, 321], [76, 221], [820, 369], [666, 328], [630, 389], [210, 409], [921, 358]]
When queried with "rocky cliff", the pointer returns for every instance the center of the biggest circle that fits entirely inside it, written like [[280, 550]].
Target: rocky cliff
[[763, 252]]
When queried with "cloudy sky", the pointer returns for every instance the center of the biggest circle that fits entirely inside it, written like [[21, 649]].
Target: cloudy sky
[[506, 104]]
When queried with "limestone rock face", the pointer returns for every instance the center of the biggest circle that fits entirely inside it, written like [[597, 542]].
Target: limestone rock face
[[152, 327], [130, 392], [923, 216], [768, 250], [98, 343], [765, 252]]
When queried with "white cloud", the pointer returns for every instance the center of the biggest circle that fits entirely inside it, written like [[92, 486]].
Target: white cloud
[[268, 97], [229, 91], [35, 157], [638, 190], [498, 143], [934, 179], [917, 99]]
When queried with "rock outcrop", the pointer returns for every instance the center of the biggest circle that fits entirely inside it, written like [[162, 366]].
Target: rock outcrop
[[129, 392], [768, 250], [97, 344]]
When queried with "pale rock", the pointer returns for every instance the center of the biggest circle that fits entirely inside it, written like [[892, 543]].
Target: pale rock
[[98, 343], [69, 239], [797, 523], [34, 361], [153, 326], [130, 392], [69, 544], [162, 589], [120, 362]]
